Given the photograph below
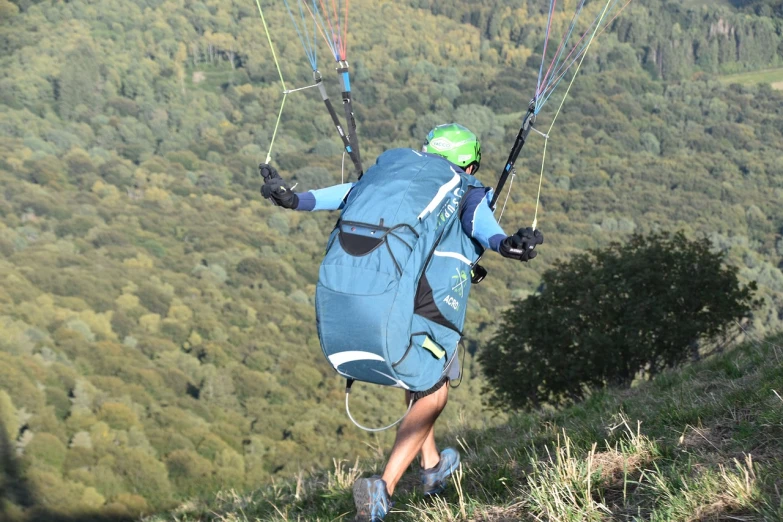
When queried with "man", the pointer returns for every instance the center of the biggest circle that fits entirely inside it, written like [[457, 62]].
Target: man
[[461, 148]]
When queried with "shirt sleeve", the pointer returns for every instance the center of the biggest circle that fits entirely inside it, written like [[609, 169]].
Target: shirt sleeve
[[329, 198], [479, 222]]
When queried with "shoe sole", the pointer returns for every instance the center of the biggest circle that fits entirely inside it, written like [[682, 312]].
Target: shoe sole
[[361, 498]]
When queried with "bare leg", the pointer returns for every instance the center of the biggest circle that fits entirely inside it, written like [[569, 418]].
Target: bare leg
[[429, 456], [413, 433]]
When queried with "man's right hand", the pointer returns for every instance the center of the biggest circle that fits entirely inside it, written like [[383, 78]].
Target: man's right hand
[[275, 189]]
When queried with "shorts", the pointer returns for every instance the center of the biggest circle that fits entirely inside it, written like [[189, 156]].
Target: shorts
[[452, 373], [454, 369]]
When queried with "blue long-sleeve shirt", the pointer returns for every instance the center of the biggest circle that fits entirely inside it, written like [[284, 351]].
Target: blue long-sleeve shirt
[[477, 218]]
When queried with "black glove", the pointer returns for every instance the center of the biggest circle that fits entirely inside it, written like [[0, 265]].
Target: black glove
[[275, 189], [522, 244]]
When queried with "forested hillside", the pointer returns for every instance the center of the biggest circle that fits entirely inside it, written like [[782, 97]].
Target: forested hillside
[[157, 335], [671, 40]]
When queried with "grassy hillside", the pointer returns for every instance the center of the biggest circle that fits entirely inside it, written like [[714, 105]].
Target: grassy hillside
[[701, 443]]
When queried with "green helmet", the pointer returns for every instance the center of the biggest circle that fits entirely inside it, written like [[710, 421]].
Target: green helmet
[[455, 143]]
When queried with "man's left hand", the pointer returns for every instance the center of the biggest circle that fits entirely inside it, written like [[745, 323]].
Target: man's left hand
[[275, 189], [521, 246]]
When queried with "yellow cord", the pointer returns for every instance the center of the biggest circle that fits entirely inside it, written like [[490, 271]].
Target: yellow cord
[[540, 181], [282, 81], [549, 132], [274, 134]]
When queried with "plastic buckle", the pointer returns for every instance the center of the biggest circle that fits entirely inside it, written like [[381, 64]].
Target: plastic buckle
[[477, 274]]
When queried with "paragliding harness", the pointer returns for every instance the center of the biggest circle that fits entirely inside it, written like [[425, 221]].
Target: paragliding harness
[[393, 287]]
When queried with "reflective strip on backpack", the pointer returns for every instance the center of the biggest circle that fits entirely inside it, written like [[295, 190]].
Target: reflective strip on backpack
[[455, 255], [338, 359], [442, 192]]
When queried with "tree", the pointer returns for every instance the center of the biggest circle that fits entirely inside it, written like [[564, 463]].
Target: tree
[[604, 316], [79, 84]]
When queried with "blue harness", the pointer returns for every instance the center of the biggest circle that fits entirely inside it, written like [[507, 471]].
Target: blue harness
[[393, 288]]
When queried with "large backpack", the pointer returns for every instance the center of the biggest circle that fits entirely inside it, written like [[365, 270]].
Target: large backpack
[[393, 288]]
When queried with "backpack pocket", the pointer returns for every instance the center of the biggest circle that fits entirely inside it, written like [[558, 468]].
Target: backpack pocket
[[352, 326], [431, 348], [362, 322]]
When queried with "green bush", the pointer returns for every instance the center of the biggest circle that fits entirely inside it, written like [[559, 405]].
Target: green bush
[[604, 316]]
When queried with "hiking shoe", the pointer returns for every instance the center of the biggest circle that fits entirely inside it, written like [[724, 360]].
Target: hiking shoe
[[371, 499], [435, 479]]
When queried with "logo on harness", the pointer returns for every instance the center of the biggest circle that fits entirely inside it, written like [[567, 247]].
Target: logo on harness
[[449, 300], [458, 282], [451, 206]]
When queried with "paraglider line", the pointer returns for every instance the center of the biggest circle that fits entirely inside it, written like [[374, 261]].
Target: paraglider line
[[553, 87], [546, 43], [614, 17], [339, 41], [576, 73], [274, 133], [304, 38], [282, 81], [564, 69], [312, 46], [561, 47], [508, 193], [560, 72], [320, 29], [325, 10], [269, 39], [342, 170], [326, 21], [345, 42]]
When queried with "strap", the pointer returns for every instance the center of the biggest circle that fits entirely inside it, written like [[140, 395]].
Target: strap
[[336, 121], [348, 385], [345, 82], [477, 272], [461, 208], [527, 125], [461, 366]]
